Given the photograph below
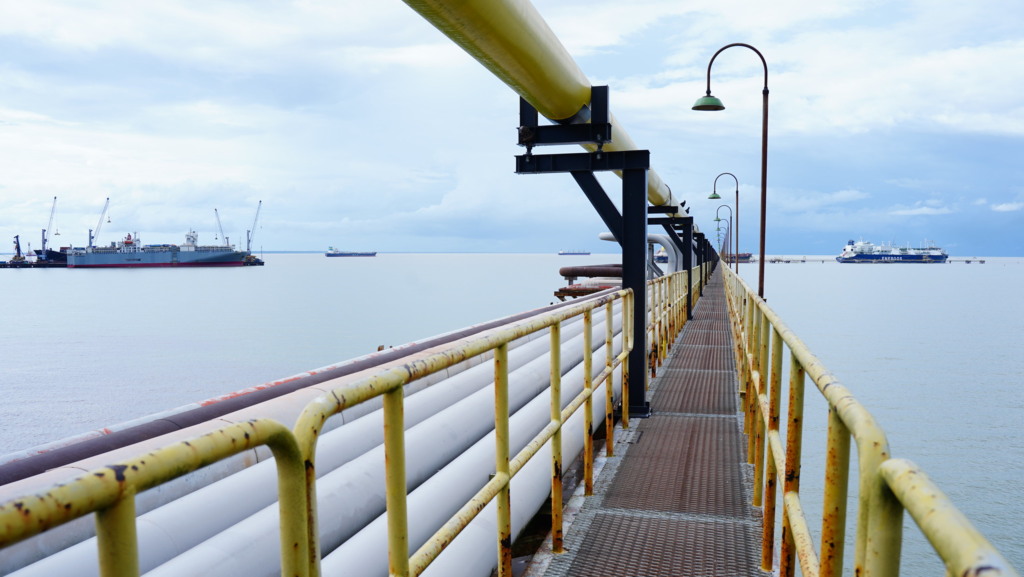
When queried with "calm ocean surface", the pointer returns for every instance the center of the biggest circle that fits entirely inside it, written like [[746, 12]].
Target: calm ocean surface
[[932, 351]]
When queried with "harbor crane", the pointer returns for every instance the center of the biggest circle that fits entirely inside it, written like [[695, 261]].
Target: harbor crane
[[251, 233], [221, 228], [99, 224], [49, 226], [18, 257]]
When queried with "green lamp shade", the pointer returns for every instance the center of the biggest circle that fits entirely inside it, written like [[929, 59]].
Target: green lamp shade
[[708, 103], [715, 196]]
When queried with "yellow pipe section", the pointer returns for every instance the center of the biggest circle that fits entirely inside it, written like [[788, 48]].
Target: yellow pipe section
[[512, 40]]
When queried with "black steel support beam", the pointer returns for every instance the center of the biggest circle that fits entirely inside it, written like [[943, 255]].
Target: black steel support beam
[[634, 277], [604, 206], [590, 161], [629, 228], [688, 265], [702, 255]]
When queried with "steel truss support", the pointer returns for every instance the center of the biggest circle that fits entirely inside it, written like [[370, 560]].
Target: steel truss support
[[629, 227]]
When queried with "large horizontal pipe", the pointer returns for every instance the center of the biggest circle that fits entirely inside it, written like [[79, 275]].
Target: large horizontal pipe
[[173, 528], [24, 464], [440, 497], [512, 40], [285, 409], [352, 496]]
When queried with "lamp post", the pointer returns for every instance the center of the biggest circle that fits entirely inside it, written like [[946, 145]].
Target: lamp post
[[736, 215], [729, 221], [709, 102]]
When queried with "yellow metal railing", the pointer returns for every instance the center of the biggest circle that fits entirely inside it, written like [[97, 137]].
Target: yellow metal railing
[[110, 492], [887, 486], [666, 296], [389, 384]]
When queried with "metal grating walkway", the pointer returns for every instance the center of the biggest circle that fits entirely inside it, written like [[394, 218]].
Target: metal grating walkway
[[675, 498]]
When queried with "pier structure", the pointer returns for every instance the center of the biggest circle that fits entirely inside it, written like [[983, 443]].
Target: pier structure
[[399, 467], [432, 458]]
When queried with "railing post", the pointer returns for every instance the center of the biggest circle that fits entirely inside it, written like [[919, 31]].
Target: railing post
[[794, 444], [588, 404], [394, 459], [760, 349], [556, 439], [609, 389], [627, 341], [501, 458], [837, 478], [117, 539], [772, 470]]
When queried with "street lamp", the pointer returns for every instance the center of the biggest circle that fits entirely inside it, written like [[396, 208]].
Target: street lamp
[[736, 221], [729, 229], [709, 102]]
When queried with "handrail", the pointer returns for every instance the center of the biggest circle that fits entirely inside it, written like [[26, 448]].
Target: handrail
[[110, 491], [389, 385], [887, 485]]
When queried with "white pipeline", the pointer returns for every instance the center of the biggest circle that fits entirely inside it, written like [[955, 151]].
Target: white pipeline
[[169, 530]]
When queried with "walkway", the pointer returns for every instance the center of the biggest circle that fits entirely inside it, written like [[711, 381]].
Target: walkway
[[675, 498]]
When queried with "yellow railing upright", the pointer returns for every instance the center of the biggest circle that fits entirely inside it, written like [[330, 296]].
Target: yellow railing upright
[[887, 487]]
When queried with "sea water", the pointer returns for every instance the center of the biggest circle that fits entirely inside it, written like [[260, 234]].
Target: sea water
[[82, 349], [933, 351]]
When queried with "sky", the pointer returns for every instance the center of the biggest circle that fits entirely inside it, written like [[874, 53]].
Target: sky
[[360, 126]]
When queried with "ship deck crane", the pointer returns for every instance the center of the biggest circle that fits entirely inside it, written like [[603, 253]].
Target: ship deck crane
[[49, 225], [221, 228], [99, 225], [249, 234]]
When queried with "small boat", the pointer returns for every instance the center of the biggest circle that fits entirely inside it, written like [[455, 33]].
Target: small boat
[[572, 252], [866, 252], [331, 251]]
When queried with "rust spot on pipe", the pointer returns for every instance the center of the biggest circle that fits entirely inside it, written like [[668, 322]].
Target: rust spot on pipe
[[118, 472]]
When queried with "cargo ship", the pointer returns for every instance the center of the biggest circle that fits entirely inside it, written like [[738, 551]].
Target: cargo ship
[[130, 253], [866, 252], [742, 257], [331, 251]]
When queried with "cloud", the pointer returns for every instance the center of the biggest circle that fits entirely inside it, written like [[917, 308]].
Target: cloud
[[1008, 207], [921, 211]]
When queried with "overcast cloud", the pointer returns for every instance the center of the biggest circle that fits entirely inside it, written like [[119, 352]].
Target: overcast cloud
[[361, 126]]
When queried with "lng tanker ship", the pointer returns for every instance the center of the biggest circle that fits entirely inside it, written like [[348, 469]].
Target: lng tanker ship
[[130, 253], [866, 252]]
